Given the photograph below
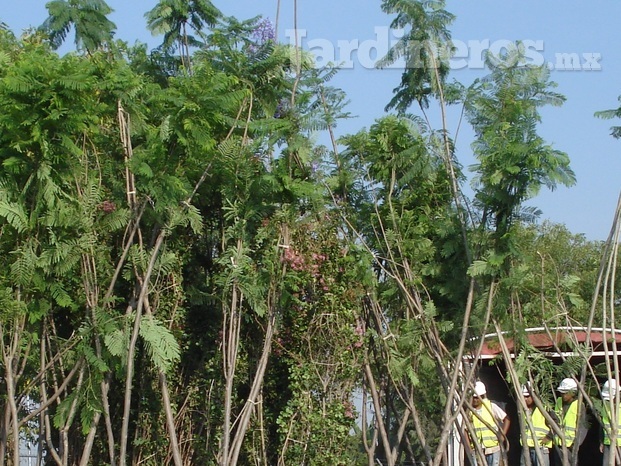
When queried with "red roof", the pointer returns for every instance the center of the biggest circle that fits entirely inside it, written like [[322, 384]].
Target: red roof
[[554, 340]]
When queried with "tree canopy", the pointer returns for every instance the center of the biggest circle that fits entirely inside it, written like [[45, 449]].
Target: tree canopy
[[191, 276]]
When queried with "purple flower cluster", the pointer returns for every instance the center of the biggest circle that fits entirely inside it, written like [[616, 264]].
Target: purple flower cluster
[[264, 32], [282, 108]]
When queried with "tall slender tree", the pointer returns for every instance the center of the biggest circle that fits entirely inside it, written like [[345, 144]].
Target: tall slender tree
[[424, 48], [88, 18], [514, 161], [175, 19]]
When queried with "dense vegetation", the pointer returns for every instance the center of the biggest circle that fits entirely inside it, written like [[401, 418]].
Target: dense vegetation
[[189, 277]]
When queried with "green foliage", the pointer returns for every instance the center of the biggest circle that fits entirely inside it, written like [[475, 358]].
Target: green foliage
[[160, 343], [615, 131], [10, 307], [320, 323], [330, 422], [532, 365], [413, 227], [357, 258], [171, 17], [514, 162], [87, 17], [116, 342], [15, 215], [425, 48], [555, 276]]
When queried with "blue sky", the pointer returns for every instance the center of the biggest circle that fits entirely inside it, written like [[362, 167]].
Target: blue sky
[[588, 29]]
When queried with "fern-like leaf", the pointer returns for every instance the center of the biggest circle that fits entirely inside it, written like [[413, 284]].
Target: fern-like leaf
[[160, 343]]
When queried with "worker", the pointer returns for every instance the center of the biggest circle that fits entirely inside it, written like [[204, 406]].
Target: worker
[[538, 441], [490, 423], [609, 392], [571, 417]]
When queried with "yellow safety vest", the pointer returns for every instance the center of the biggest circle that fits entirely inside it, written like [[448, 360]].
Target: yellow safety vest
[[569, 421], [485, 436], [608, 425], [541, 429]]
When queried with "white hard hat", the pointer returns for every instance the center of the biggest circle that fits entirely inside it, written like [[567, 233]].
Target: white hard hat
[[479, 388], [526, 389], [609, 389], [567, 385]]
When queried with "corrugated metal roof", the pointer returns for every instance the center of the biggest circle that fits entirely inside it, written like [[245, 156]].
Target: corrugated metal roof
[[556, 341]]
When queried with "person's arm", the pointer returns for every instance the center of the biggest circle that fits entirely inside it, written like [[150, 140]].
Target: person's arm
[[502, 418], [547, 438], [506, 423]]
